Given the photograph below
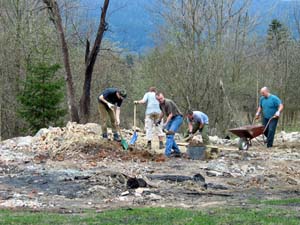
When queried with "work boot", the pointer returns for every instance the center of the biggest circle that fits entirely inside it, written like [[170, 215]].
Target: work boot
[[105, 136], [161, 145], [149, 145], [175, 154], [116, 137]]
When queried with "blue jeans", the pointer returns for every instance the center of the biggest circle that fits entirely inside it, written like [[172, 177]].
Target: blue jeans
[[270, 131], [173, 126]]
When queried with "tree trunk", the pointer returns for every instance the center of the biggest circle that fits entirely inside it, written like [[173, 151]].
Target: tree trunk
[[56, 18], [90, 60]]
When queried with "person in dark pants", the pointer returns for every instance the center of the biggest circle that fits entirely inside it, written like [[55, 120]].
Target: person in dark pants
[[271, 107], [110, 101], [172, 124]]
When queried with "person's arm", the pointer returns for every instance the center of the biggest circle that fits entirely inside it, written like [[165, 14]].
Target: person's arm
[[190, 124], [102, 99], [143, 100], [258, 112], [259, 109], [168, 119], [118, 112], [161, 116], [280, 108], [140, 101]]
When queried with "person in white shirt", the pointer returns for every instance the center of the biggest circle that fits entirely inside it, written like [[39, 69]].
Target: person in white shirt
[[151, 117]]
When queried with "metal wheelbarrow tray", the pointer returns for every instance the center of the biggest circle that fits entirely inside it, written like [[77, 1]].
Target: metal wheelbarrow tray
[[246, 134]]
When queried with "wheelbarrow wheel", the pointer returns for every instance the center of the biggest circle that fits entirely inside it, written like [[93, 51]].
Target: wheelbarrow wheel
[[243, 144]]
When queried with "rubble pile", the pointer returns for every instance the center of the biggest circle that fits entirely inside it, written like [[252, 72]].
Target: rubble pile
[[73, 167], [76, 140], [280, 137], [288, 137]]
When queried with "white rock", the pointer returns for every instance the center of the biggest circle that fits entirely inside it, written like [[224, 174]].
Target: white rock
[[260, 168], [155, 197], [12, 203], [244, 168], [24, 141], [288, 137], [212, 173], [125, 193], [141, 190], [93, 128], [42, 132], [198, 138], [123, 198], [217, 166]]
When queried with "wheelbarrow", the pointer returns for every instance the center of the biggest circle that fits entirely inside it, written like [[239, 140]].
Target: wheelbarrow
[[247, 133]]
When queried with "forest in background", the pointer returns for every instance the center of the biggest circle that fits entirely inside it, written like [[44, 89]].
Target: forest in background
[[207, 56]]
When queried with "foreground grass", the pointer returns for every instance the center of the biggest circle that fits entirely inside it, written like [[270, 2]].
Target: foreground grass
[[156, 216], [283, 202]]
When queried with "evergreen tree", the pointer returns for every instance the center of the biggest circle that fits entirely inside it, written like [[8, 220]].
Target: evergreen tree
[[278, 35], [41, 97]]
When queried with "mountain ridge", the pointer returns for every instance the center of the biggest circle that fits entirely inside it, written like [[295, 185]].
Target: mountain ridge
[[131, 24]]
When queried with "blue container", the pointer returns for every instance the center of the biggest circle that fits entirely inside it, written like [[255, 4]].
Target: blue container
[[196, 152]]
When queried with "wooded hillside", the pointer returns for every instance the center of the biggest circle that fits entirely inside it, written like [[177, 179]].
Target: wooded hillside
[[207, 56]]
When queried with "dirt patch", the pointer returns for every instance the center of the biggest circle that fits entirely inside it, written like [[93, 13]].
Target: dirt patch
[[72, 168]]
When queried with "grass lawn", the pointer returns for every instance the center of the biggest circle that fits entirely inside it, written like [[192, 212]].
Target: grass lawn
[[289, 201], [153, 216]]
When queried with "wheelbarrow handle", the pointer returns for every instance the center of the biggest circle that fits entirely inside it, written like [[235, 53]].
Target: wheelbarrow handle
[[266, 127]]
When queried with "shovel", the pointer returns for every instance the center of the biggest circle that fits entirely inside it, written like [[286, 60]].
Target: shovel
[[135, 135], [123, 141], [190, 136]]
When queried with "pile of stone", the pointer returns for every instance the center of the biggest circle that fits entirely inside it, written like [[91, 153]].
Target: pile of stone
[[288, 137], [58, 143], [73, 141], [221, 168], [55, 140], [222, 141]]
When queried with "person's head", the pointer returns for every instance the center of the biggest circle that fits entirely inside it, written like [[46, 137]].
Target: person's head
[[121, 94], [189, 114], [152, 89], [265, 92], [160, 97]]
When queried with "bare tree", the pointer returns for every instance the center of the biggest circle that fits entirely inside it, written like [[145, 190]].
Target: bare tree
[[54, 13], [90, 59]]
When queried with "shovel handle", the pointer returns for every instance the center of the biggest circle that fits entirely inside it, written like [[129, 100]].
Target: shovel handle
[[117, 126], [134, 117]]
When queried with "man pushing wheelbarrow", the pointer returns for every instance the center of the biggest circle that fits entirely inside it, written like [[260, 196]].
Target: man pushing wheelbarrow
[[271, 107]]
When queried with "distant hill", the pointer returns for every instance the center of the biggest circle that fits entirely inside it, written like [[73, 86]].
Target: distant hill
[[131, 23]]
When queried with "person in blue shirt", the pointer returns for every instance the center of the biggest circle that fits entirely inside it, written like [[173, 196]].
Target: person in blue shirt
[[198, 121], [271, 107], [151, 116], [110, 101]]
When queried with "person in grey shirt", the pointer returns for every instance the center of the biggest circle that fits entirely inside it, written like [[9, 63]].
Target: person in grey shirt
[[151, 116]]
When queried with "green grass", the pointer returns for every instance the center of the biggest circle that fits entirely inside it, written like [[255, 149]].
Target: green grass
[[284, 202], [156, 216]]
